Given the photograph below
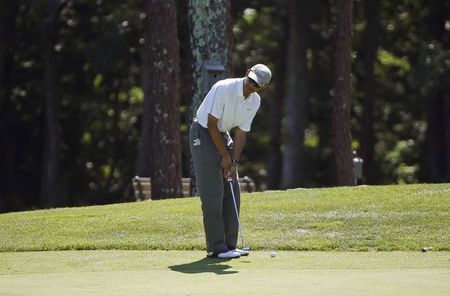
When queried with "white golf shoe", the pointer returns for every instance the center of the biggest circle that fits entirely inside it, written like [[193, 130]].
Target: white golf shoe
[[224, 255], [241, 252]]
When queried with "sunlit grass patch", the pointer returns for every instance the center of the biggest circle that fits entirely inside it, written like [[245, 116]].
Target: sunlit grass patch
[[405, 217]]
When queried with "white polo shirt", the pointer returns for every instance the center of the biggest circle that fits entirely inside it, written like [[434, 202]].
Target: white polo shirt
[[226, 102]]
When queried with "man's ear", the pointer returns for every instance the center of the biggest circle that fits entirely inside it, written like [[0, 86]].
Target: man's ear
[[246, 73]]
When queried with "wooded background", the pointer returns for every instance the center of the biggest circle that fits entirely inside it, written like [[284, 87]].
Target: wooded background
[[93, 93]]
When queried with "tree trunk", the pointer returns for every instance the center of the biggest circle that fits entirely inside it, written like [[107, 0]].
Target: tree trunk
[[342, 98], [160, 150], [296, 95], [210, 24], [321, 81], [210, 39], [369, 51], [186, 84], [437, 150], [274, 163], [9, 183], [4, 19], [435, 160], [51, 192], [446, 98], [4, 167]]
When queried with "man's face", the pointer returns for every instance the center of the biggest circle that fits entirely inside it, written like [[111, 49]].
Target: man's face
[[251, 85]]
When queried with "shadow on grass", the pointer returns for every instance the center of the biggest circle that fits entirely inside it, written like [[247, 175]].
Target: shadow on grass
[[216, 266]]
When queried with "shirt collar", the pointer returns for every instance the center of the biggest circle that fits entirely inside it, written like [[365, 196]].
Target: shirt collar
[[241, 92], [241, 89]]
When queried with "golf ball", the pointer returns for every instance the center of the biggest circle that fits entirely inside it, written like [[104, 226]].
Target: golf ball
[[273, 254]]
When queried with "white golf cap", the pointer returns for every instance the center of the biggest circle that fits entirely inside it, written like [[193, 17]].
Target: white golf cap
[[260, 74]]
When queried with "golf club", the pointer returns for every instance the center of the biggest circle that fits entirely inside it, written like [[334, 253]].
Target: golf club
[[237, 216]]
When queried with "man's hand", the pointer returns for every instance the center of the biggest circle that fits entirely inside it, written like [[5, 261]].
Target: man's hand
[[227, 166], [232, 172]]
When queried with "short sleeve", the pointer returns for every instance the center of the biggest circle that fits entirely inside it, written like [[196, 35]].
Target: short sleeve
[[218, 97], [246, 125]]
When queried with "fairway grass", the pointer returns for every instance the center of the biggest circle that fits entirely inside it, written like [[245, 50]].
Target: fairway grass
[[363, 218], [157, 247], [116, 272]]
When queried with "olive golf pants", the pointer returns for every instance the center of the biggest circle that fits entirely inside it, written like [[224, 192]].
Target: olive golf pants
[[219, 216]]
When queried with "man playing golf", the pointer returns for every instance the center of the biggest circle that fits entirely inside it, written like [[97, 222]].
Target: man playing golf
[[230, 103]]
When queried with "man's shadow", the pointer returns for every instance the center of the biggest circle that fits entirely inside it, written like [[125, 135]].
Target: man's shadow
[[204, 265]]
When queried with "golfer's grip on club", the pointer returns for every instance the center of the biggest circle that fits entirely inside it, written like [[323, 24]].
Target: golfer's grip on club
[[238, 145]]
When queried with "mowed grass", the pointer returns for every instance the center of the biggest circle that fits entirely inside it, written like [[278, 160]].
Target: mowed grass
[[364, 218], [116, 272]]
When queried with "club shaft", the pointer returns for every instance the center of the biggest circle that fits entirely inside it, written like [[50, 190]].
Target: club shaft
[[237, 213]]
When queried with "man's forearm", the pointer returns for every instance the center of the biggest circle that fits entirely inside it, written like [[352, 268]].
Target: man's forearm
[[217, 139], [238, 143]]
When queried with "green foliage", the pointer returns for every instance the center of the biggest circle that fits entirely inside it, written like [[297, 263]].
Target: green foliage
[[97, 56], [255, 33], [98, 73], [388, 59]]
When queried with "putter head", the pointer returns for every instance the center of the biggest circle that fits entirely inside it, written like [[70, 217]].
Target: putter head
[[246, 249]]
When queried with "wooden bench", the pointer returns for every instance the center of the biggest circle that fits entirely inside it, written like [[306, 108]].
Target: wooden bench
[[142, 187]]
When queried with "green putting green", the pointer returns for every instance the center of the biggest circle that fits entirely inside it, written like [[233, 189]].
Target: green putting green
[[190, 273]]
